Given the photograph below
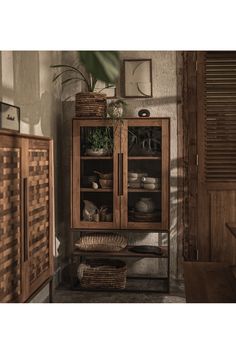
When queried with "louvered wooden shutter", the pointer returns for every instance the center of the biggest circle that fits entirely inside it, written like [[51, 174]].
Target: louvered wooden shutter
[[216, 134], [220, 116]]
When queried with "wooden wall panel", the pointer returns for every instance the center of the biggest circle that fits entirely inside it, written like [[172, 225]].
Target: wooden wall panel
[[188, 159], [10, 219], [222, 210]]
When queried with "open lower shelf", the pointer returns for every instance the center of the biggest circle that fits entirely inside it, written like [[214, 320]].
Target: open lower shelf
[[124, 253]]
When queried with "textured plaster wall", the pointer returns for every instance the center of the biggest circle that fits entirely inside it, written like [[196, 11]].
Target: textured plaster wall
[[163, 104], [26, 81]]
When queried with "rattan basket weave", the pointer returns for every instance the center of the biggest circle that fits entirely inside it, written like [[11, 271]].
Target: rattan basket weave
[[102, 242], [102, 274], [90, 104]]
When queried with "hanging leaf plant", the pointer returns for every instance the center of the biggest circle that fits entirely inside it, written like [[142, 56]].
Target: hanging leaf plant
[[99, 65]]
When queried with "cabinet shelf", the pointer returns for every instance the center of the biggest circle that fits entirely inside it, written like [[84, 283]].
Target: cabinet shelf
[[101, 190], [142, 190], [124, 253], [144, 157], [96, 157]]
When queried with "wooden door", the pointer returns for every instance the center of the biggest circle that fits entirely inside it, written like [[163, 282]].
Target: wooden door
[[38, 193], [95, 208], [145, 150], [11, 236], [216, 129]]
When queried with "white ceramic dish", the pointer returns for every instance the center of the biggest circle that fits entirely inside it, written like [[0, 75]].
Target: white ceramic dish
[[150, 186], [150, 180], [137, 180], [133, 179], [132, 175], [137, 174]]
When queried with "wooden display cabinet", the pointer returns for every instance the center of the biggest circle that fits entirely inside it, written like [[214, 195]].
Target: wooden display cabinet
[[139, 146]]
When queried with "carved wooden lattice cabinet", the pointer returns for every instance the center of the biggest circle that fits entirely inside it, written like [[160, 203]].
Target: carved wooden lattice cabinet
[[26, 214]]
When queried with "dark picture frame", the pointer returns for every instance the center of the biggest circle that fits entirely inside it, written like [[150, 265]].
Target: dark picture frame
[[9, 117], [137, 78]]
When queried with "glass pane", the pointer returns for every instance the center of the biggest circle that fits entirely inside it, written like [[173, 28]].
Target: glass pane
[[96, 174], [144, 174]]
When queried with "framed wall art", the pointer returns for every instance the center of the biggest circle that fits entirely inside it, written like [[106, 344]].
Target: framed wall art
[[9, 117], [109, 90], [137, 78]]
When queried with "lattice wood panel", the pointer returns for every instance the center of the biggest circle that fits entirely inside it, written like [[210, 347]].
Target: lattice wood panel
[[10, 264], [38, 212], [220, 116]]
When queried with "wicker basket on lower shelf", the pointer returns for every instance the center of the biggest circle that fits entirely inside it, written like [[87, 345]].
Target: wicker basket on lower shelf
[[102, 274], [102, 242]]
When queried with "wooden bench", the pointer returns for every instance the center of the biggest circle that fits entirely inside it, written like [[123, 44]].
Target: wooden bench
[[209, 282]]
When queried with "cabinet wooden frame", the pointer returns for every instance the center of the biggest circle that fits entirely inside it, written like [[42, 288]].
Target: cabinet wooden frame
[[25, 144], [120, 200]]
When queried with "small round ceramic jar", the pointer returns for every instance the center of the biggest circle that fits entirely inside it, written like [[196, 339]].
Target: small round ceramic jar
[[145, 205]]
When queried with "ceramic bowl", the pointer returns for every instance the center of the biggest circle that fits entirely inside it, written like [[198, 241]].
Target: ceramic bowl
[[132, 175], [145, 205], [104, 175], [106, 183]]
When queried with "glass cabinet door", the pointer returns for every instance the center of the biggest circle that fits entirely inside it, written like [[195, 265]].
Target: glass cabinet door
[[94, 186], [145, 149]]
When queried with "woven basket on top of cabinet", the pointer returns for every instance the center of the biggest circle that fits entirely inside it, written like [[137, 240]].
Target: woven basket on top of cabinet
[[102, 274], [90, 104], [102, 242]]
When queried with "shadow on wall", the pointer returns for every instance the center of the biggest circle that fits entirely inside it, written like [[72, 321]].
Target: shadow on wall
[[26, 81]]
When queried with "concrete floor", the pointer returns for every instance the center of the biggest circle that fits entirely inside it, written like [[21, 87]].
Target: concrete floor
[[65, 295]]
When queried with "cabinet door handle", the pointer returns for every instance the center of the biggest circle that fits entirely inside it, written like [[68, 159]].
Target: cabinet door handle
[[26, 219], [120, 174]]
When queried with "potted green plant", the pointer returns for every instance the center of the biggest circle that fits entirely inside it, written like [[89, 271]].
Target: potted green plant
[[98, 65], [99, 142]]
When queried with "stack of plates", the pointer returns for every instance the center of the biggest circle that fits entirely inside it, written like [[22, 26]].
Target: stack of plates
[[135, 179], [151, 183]]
